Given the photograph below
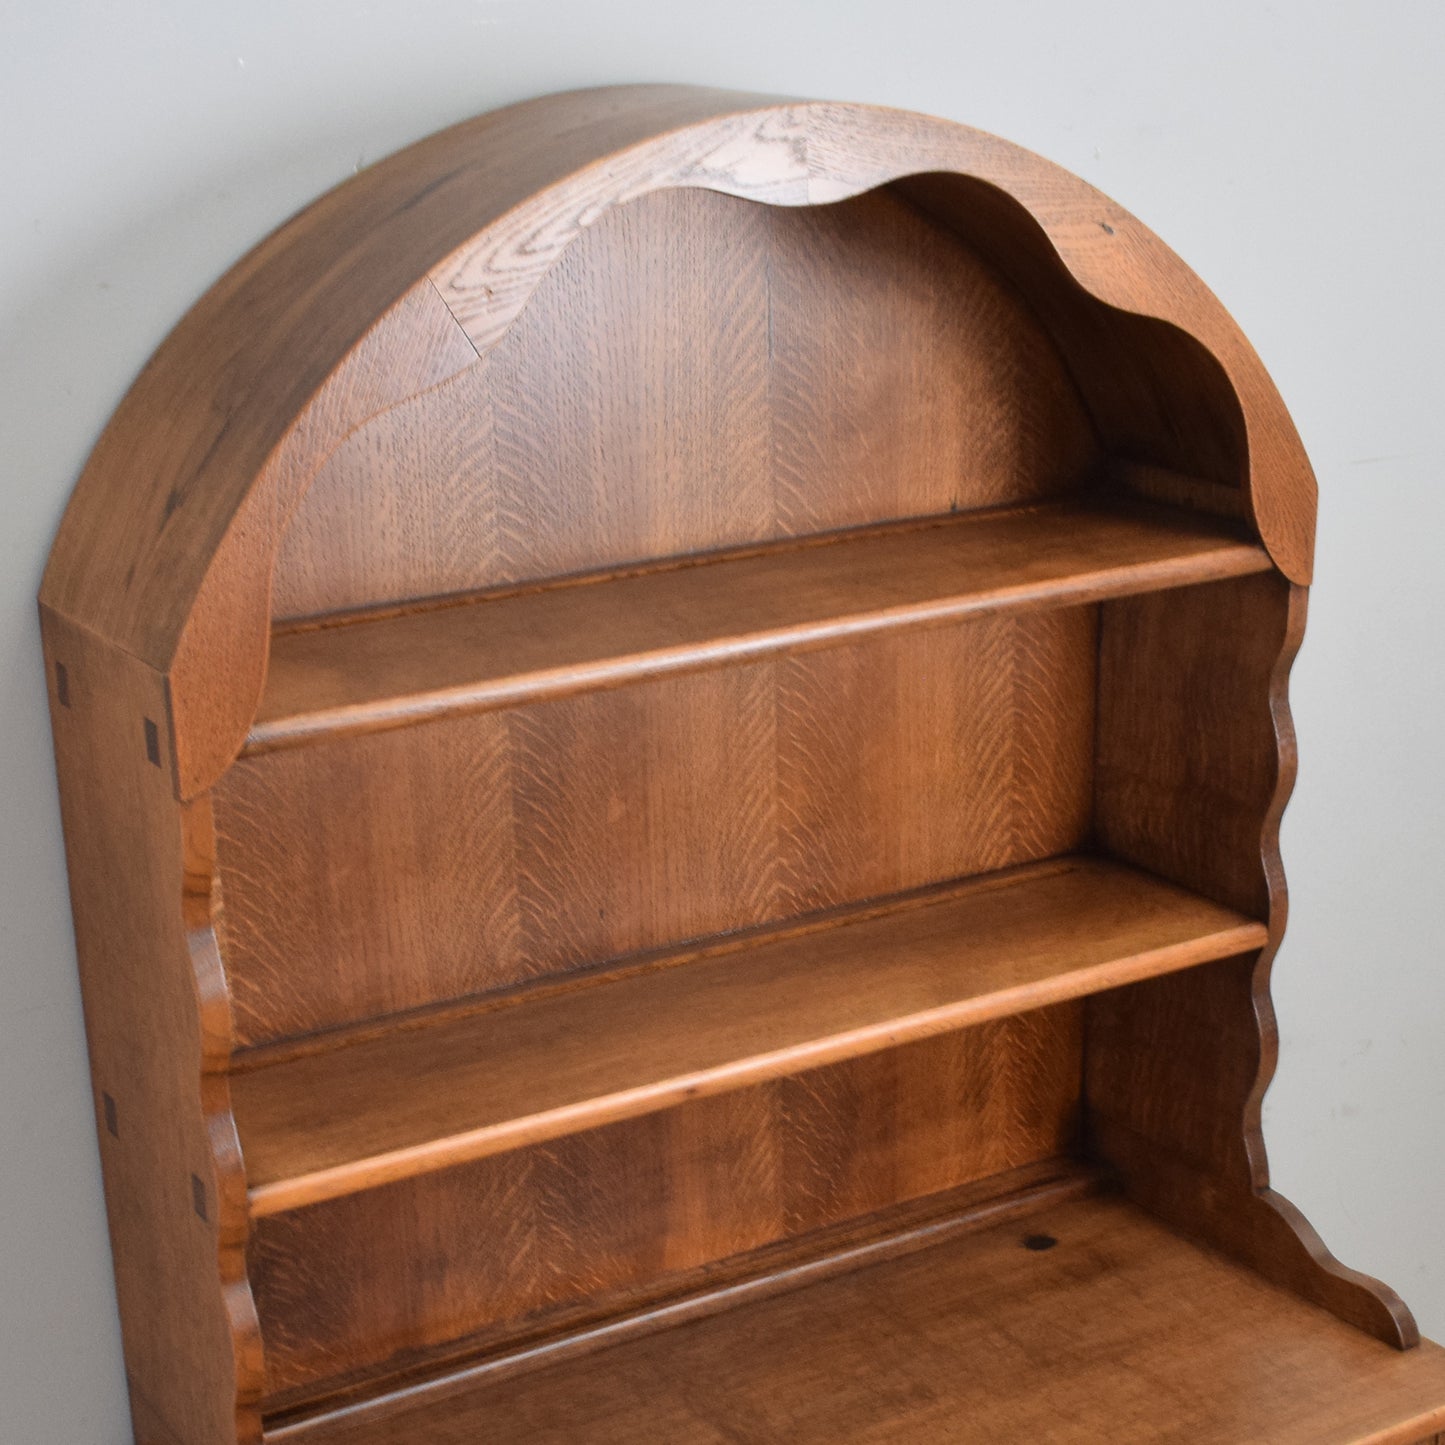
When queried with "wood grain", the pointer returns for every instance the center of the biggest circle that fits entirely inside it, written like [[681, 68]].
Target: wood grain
[[427, 1098], [315, 331], [394, 1284], [599, 461], [405, 668], [1121, 1330], [683, 355], [1158, 398], [372, 874], [1196, 761], [158, 1029], [1188, 757]]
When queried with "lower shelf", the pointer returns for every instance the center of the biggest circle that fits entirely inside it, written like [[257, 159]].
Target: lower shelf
[[418, 1098], [1086, 1321]]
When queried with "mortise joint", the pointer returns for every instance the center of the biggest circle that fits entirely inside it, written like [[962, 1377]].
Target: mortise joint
[[112, 1118], [62, 685], [153, 742], [198, 1196]]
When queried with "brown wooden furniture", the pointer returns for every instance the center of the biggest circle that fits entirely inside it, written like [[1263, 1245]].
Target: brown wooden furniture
[[671, 715]]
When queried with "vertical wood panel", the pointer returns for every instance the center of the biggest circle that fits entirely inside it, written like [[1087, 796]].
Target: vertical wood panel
[[1196, 757], [696, 372], [1189, 766], [157, 1033], [1188, 760], [375, 873], [643, 815], [907, 377], [1172, 1062], [631, 394]]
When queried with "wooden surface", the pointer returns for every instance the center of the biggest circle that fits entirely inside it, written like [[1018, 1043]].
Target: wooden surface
[[562, 639], [1191, 692], [525, 939], [1196, 759], [335, 318], [1193, 424], [372, 874], [383, 1288], [699, 372], [1117, 1330], [158, 1029], [414, 1100]]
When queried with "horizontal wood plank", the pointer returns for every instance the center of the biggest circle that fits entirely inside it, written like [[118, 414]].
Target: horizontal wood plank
[[388, 671], [608, 1318], [1086, 1321], [430, 1095]]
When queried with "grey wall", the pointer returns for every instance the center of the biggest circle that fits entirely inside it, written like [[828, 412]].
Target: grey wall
[[1289, 151]]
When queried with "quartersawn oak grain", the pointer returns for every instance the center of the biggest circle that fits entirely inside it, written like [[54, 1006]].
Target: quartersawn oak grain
[[561, 1244], [333, 319], [619, 828], [698, 393], [429, 1097], [1116, 1330], [491, 849], [397, 670]]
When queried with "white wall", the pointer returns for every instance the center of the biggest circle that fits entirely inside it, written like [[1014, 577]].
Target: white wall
[[1290, 151]]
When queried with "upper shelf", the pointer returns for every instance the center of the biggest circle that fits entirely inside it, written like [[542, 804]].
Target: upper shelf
[[366, 675], [414, 1099]]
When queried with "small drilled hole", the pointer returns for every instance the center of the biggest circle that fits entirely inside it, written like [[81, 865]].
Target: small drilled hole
[[153, 743], [62, 685], [112, 1119], [198, 1195], [1039, 1242]]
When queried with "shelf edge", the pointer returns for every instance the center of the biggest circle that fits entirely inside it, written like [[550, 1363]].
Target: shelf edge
[[298, 1191], [1229, 559]]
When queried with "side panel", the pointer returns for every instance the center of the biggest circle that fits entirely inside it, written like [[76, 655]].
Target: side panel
[[1195, 763], [157, 1024]]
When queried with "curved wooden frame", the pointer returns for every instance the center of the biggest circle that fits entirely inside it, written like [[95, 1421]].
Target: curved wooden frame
[[280, 361], [161, 579]]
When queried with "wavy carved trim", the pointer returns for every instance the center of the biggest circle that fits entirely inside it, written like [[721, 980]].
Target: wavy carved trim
[[201, 907], [1349, 1292], [481, 311], [482, 211]]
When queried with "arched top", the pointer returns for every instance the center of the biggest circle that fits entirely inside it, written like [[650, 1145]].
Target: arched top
[[399, 279]]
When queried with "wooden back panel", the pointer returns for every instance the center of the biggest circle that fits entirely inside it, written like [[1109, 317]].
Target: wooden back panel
[[446, 1265], [371, 874], [697, 372]]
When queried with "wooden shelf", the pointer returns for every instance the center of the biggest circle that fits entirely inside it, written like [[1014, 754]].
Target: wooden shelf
[[1013, 533], [387, 671], [1117, 1330], [431, 1095]]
